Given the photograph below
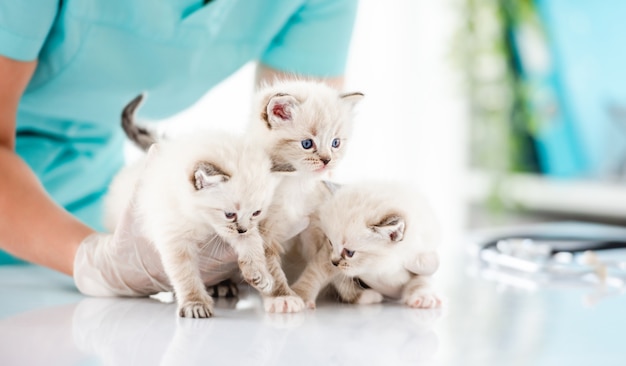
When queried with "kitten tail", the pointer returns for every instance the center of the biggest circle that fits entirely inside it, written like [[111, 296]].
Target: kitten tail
[[141, 136]]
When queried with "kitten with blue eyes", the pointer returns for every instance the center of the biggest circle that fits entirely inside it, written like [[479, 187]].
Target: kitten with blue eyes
[[198, 195], [383, 235], [305, 126]]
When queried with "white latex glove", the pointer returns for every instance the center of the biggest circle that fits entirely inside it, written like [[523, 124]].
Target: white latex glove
[[126, 263], [123, 264]]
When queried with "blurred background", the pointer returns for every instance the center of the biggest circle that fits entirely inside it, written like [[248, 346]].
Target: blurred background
[[544, 82]]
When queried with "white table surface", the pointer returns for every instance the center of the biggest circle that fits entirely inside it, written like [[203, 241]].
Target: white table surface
[[45, 321]]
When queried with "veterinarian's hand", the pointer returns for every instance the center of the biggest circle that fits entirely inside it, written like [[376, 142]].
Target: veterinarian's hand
[[126, 263], [119, 264]]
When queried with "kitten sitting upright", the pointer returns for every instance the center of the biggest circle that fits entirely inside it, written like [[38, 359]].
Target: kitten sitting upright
[[379, 234], [305, 125], [195, 194]]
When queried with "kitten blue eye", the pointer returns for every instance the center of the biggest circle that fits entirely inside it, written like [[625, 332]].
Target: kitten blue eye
[[230, 215], [348, 253], [256, 213], [336, 143], [307, 144]]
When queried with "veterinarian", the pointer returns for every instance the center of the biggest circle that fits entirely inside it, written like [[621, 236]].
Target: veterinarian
[[68, 67]]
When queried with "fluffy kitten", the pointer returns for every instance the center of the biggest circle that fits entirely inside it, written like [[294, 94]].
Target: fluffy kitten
[[381, 234], [305, 125], [194, 194]]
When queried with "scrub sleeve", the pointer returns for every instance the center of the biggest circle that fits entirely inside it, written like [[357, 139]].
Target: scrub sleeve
[[96, 55]]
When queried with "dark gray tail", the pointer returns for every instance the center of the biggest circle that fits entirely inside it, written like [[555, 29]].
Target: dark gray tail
[[141, 136]]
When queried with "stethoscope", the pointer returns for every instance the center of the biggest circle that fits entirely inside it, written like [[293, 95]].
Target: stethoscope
[[542, 258]]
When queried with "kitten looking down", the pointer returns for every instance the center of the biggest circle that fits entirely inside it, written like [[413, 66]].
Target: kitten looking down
[[196, 196], [381, 234]]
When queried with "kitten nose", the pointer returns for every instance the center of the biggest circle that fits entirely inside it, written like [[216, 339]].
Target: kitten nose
[[325, 160], [241, 230], [336, 262]]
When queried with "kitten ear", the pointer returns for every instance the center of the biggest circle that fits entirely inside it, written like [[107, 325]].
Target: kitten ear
[[280, 109], [352, 98], [391, 227], [207, 175]]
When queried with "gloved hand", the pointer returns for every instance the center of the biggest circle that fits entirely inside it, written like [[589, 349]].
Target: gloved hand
[[126, 263]]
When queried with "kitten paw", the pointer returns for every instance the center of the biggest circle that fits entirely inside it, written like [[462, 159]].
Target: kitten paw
[[283, 304], [369, 297], [424, 300], [262, 282], [258, 277], [224, 289], [196, 309]]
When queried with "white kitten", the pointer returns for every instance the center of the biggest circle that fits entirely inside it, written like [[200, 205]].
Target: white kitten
[[194, 194], [381, 234], [305, 126]]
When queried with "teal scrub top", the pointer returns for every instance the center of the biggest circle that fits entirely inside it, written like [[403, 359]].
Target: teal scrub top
[[94, 56]]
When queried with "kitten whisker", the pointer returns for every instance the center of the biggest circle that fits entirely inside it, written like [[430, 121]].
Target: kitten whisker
[[219, 248], [205, 245]]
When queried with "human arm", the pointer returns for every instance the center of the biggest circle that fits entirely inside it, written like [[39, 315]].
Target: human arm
[[313, 44], [33, 226]]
